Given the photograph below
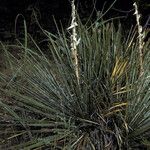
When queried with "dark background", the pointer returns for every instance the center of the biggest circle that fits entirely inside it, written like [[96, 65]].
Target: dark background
[[61, 10]]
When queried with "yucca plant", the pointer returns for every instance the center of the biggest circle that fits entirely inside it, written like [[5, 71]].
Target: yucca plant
[[98, 102]]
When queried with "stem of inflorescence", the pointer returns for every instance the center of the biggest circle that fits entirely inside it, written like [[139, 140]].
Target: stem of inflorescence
[[74, 41], [141, 39]]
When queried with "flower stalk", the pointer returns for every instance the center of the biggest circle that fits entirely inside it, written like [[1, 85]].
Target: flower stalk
[[74, 41], [141, 37]]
